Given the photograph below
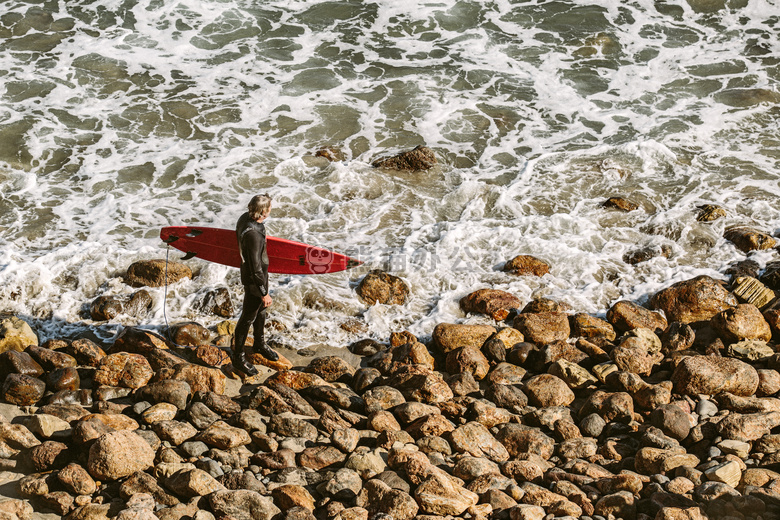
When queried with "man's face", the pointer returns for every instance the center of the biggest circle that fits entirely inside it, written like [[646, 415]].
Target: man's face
[[262, 219]]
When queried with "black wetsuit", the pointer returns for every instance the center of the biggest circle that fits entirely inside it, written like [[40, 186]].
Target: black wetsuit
[[254, 277]]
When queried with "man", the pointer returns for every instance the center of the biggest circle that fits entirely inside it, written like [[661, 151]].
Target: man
[[250, 232]]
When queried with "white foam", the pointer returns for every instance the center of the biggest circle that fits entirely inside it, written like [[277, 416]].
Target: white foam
[[180, 112]]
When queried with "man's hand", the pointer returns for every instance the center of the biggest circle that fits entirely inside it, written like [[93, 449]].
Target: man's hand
[[267, 300]]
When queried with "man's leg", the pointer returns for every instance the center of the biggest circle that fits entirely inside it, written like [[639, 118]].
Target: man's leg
[[249, 313], [259, 343]]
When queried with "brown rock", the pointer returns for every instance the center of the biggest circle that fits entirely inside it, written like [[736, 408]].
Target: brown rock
[[15, 362], [63, 379], [519, 439], [104, 308], [125, 370], [192, 482], [289, 495], [748, 427], [647, 253], [469, 360], [587, 326], [741, 322], [15, 509], [51, 359], [611, 406], [156, 273], [625, 316], [548, 390], [420, 384], [413, 353], [693, 300], [296, 380], [381, 287], [618, 505], [320, 457], [331, 369], [211, 355], [747, 239], [49, 455], [651, 461], [139, 304], [679, 336], [768, 382], [16, 334], [22, 390], [493, 302], [382, 398], [449, 336], [76, 479], [86, 352], [710, 212], [419, 158], [381, 498], [382, 421], [543, 328], [119, 454], [711, 375], [218, 302], [189, 334], [621, 204], [200, 379], [527, 265], [475, 439], [636, 360], [441, 495]]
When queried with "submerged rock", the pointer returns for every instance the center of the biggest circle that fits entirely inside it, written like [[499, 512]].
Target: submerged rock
[[420, 158]]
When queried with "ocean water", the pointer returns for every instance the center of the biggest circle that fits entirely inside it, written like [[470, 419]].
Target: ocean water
[[119, 117]]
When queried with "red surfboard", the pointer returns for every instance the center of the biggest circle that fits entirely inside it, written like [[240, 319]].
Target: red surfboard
[[284, 256]]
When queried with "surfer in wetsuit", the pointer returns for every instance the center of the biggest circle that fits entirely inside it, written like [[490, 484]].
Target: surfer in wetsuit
[[250, 232]]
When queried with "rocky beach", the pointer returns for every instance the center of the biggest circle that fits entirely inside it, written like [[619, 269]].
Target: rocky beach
[[664, 411]]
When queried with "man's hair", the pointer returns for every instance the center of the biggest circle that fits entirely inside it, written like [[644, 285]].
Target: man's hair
[[259, 206]]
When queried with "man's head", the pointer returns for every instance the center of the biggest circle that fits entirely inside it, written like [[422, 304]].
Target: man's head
[[259, 206]]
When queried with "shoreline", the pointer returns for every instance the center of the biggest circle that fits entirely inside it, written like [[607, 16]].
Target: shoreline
[[647, 414]]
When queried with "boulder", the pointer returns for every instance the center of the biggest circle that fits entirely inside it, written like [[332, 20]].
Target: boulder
[[119, 454], [709, 375], [16, 334], [587, 326], [742, 322], [156, 273], [747, 239], [626, 315], [450, 336], [419, 158], [527, 265], [381, 287], [104, 308], [493, 302], [547, 390], [124, 369], [620, 203], [693, 300], [543, 328], [469, 360]]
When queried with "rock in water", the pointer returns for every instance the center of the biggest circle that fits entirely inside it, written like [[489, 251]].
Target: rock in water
[[420, 158]]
